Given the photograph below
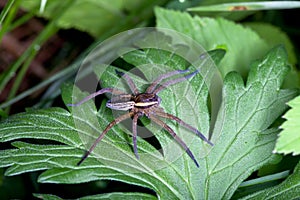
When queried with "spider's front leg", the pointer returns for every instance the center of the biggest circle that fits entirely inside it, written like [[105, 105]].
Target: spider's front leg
[[102, 91]]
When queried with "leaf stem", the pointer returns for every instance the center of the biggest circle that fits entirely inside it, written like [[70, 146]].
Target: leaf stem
[[264, 179]]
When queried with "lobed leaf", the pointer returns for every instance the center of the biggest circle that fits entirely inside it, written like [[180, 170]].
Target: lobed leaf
[[245, 142], [247, 111]]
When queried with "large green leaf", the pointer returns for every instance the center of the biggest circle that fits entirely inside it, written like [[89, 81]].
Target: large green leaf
[[244, 145]]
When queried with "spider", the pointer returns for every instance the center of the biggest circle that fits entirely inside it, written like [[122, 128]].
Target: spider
[[143, 104]]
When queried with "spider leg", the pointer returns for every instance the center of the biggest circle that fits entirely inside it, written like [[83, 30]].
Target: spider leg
[[172, 82], [184, 124], [164, 76], [102, 91], [180, 141], [130, 83], [108, 127], [134, 134]]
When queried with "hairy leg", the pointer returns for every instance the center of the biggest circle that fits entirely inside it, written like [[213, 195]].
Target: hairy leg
[[129, 81], [102, 91], [181, 142], [174, 81], [184, 124], [134, 135], [151, 88], [108, 127]]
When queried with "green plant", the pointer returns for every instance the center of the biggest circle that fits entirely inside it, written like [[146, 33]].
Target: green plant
[[245, 131]]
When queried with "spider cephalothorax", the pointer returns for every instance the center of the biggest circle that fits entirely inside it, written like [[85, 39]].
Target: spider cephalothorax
[[139, 104]]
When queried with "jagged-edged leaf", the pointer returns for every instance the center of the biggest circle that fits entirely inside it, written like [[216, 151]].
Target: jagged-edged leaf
[[245, 142], [54, 124], [60, 160], [247, 111], [289, 138]]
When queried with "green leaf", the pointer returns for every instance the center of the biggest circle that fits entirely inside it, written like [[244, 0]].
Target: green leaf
[[247, 111], [288, 189], [289, 138], [53, 123], [245, 142], [217, 33], [274, 36], [84, 21], [85, 15], [245, 6]]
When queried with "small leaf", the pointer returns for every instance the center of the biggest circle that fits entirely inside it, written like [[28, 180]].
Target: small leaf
[[289, 138]]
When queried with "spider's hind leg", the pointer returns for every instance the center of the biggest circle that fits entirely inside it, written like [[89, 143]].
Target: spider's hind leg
[[184, 124], [175, 136], [134, 135]]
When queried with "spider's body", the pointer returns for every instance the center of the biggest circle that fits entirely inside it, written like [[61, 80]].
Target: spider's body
[[128, 102], [139, 104]]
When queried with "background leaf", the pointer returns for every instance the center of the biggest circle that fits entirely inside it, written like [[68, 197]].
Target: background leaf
[[274, 36], [217, 33], [110, 13], [289, 138]]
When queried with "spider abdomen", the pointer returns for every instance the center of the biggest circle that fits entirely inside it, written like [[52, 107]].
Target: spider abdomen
[[121, 102]]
